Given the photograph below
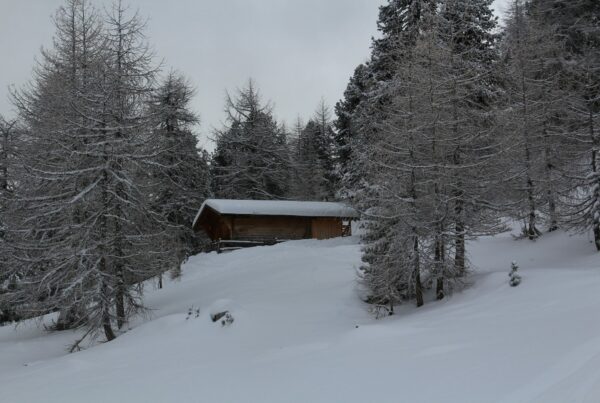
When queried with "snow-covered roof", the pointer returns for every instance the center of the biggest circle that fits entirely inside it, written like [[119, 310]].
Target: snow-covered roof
[[278, 207]]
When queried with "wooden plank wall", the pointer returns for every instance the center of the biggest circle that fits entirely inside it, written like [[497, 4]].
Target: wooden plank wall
[[247, 227], [325, 228], [264, 227]]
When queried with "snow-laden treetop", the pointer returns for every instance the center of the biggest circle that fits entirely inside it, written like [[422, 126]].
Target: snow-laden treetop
[[278, 207]]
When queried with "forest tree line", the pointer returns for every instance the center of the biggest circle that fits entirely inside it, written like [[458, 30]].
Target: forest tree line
[[101, 175], [458, 123], [454, 124]]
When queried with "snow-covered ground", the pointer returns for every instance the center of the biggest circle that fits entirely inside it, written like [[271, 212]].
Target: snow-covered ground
[[300, 334]]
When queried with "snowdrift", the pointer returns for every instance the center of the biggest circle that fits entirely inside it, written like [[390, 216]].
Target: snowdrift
[[301, 334]]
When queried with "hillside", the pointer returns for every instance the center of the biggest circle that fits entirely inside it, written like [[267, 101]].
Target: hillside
[[301, 334]]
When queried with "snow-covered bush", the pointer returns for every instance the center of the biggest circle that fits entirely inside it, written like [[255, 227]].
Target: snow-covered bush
[[515, 278]]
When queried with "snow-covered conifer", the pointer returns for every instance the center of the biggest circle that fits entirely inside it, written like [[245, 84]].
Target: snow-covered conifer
[[535, 115], [427, 149], [314, 159], [9, 149], [251, 159], [181, 175], [574, 25], [384, 181], [515, 278], [87, 235], [345, 130]]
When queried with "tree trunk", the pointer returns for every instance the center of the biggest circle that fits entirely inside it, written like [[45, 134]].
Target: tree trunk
[[551, 194], [104, 294], [106, 325], [459, 230], [439, 261], [118, 251], [531, 230], [439, 288], [120, 306], [459, 222], [552, 211], [108, 331], [459, 252], [417, 266]]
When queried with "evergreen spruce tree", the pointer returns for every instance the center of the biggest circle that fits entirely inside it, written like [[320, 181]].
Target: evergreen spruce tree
[[309, 183], [345, 130], [398, 20], [251, 159], [515, 278], [181, 174], [314, 159]]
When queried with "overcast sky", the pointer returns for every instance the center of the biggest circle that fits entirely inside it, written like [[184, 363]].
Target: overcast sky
[[297, 51]]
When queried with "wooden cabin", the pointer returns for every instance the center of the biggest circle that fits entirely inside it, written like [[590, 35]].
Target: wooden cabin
[[272, 220]]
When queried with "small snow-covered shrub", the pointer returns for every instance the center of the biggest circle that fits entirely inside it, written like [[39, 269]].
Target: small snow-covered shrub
[[380, 311], [515, 278]]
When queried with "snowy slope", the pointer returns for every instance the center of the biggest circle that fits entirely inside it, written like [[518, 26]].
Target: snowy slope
[[301, 335]]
